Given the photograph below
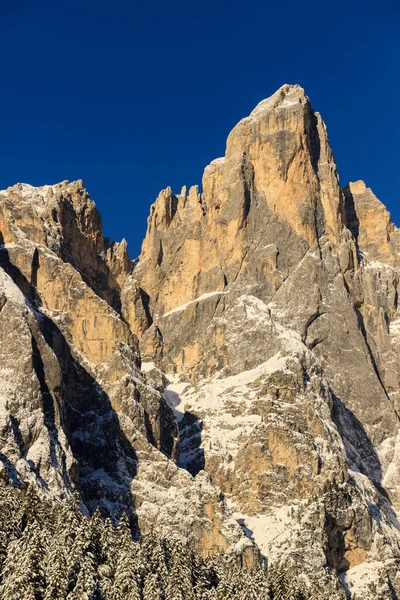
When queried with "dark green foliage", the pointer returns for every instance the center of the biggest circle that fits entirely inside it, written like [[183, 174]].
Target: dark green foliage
[[52, 551]]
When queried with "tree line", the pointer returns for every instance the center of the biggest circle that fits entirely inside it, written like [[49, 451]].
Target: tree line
[[53, 551]]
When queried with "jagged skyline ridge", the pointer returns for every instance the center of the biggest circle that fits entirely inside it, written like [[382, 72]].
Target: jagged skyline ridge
[[266, 312], [130, 114]]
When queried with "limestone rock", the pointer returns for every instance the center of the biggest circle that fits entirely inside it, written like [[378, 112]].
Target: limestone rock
[[76, 412], [371, 225], [273, 300], [278, 180], [243, 371]]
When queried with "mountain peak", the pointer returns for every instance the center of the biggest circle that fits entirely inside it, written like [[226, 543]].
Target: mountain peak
[[248, 361], [286, 96]]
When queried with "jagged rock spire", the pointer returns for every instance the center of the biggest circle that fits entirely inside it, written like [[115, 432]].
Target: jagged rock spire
[[278, 168]]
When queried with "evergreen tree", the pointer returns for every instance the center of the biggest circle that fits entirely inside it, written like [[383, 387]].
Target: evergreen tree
[[56, 571], [10, 518], [262, 584], [151, 589], [279, 583], [158, 559], [82, 562], [126, 586], [23, 574], [179, 582], [201, 578], [86, 586], [107, 559], [51, 551], [294, 592], [16, 579]]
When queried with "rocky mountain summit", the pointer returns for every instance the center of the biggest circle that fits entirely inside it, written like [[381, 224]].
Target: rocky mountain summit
[[239, 383]]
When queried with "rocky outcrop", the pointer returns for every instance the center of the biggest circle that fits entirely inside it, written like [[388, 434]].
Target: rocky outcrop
[[276, 182], [273, 301], [246, 364], [76, 412], [371, 225]]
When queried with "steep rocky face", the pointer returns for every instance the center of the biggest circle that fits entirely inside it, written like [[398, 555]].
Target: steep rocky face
[[246, 364], [371, 225], [63, 218], [276, 183], [273, 300], [76, 412]]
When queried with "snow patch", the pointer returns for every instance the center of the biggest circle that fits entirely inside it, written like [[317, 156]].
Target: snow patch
[[227, 405], [394, 328], [207, 396], [199, 299], [217, 386], [271, 531], [357, 579], [147, 366], [372, 264], [214, 164], [174, 395], [27, 191], [263, 314]]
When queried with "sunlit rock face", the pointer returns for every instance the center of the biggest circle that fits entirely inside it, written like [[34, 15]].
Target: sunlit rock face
[[277, 183], [244, 369], [76, 413], [273, 301]]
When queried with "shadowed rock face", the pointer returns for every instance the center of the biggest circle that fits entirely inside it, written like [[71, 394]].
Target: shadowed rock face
[[248, 359]]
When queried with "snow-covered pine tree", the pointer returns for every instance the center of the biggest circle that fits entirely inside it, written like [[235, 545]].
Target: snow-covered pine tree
[[250, 585], [147, 544], [23, 574], [56, 570], [54, 552], [212, 594], [173, 588], [279, 583], [107, 559], [158, 559], [16, 579], [293, 590], [201, 578], [71, 514], [179, 584], [82, 563], [86, 586], [95, 531], [9, 520], [261, 583], [225, 587], [71, 522], [35, 509], [152, 588], [126, 585], [39, 540]]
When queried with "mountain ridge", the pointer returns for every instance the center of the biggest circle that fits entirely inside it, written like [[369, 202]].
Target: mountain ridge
[[241, 374]]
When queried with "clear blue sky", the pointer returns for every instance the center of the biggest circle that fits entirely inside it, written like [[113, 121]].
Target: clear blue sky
[[133, 96]]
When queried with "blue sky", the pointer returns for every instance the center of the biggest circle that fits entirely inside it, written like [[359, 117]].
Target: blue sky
[[132, 97]]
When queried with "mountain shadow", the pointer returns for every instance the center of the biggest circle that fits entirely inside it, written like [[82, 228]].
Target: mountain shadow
[[191, 453], [362, 456], [75, 403]]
